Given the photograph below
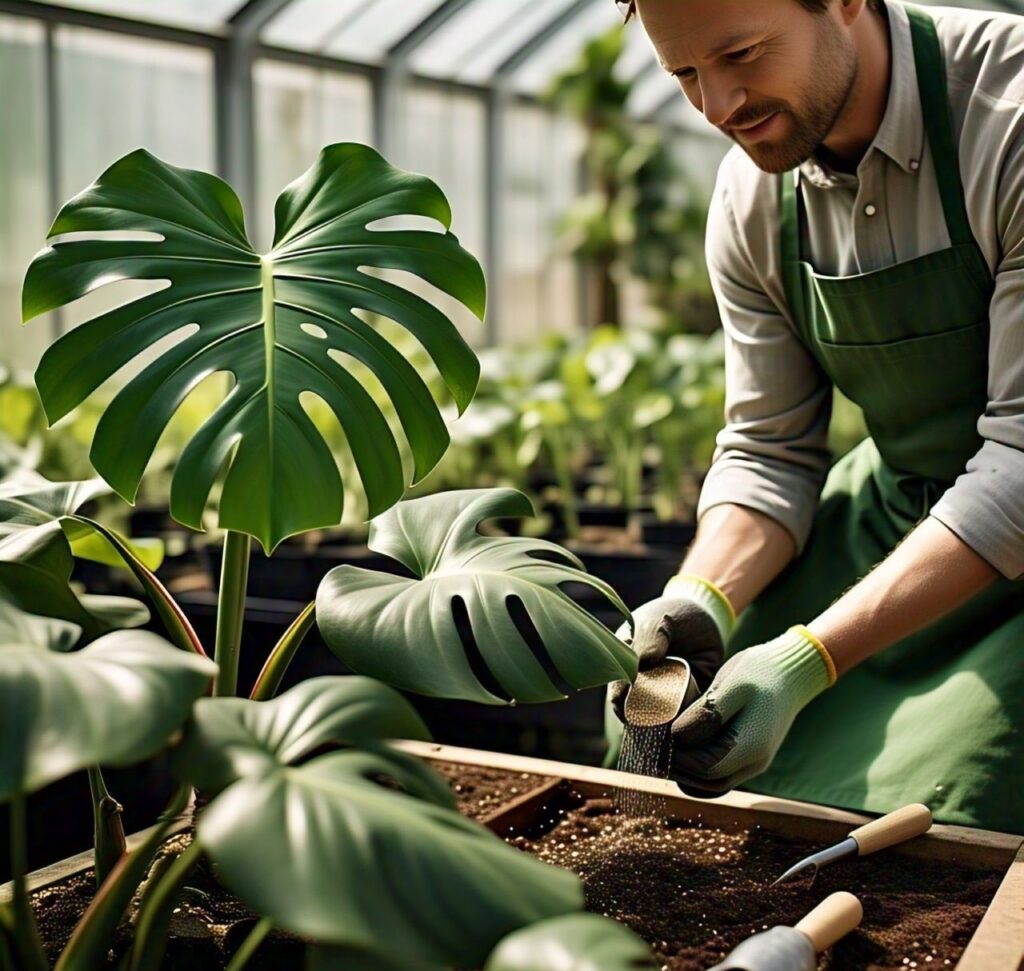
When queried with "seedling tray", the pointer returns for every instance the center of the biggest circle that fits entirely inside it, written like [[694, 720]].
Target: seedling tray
[[948, 861]]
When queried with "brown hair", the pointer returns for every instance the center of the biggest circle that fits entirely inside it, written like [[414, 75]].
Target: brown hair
[[815, 6]]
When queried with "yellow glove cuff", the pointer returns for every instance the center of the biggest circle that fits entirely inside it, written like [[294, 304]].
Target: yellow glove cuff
[[707, 595]]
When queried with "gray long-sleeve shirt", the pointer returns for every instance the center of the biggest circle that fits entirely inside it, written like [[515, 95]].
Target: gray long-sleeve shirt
[[772, 454]]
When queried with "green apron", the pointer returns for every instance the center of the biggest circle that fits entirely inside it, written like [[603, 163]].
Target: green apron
[[937, 717]]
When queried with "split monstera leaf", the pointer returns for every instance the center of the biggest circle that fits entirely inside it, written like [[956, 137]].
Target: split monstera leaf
[[405, 631], [358, 837], [281, 323]]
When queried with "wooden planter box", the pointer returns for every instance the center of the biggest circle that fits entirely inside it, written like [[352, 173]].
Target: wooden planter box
[[997, 943]]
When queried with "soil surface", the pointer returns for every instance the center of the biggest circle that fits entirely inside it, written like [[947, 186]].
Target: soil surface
[[480, 791], [695, 892], [209, 924]]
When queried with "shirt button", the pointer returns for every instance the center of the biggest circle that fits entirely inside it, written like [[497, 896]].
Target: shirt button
[[869, 210], [914, 165]]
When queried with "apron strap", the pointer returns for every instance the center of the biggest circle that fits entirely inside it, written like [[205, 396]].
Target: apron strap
[[938, 121]]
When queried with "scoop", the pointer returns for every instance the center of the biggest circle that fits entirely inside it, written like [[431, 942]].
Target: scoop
[[797, 948], [659, 694], [895, 827]]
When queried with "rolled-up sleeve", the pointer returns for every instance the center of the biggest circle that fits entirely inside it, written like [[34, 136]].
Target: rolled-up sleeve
[[772, 456], [985, 506]]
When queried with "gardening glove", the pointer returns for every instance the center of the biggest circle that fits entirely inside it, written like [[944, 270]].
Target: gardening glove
[[692, 619], [733, 731]]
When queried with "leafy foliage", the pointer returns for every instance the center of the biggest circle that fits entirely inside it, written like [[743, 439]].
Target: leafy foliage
[[281, 323], [405, 631], [580, 942], [350, 855], [115, 702]]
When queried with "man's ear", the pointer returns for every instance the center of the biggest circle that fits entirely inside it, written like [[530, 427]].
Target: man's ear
[[850, 10]]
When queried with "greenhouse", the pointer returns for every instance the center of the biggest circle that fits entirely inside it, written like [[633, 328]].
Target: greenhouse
[[511, 485]]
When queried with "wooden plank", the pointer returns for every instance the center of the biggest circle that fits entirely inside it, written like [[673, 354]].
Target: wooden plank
[[971, 846], [520, 811], [999, 940]]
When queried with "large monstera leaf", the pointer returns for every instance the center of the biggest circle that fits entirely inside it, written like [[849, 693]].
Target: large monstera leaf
[[282, 323], [579, 942], [114, 702], [359, 845], [405, 632]]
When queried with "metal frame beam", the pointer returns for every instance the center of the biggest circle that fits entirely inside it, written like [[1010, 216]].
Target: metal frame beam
[[538, 39], [54, 143], [387, 100], [235, 101]]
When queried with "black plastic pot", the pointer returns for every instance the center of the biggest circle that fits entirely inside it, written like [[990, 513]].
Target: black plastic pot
[[672, 534], [294, 572]]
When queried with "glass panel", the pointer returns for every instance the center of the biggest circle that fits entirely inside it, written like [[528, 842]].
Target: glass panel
[[539, 285], [443, 137], [117, 94], [24, 212], [564, 46], [654, 90], [307, 25], [369, 36], [472, 28], [638, 56], [528, 18], [195, 14], [299, 110]]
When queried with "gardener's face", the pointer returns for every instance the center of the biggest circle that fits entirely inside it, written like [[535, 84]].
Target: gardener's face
[[771, 74]]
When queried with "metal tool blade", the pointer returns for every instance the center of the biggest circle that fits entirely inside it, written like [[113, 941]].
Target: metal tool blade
[[779, 949], [848, 847]]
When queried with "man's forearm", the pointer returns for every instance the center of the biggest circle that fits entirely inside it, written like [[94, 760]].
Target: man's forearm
[[928, 575], [740, 551]]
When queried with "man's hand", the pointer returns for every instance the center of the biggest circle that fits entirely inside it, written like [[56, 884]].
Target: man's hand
[[691, 620], [733, 731]]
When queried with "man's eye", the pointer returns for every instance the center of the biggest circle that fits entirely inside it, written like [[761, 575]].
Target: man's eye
[[744, 54], [686, 74]]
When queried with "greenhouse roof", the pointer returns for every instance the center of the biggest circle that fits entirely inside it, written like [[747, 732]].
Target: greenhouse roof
[[516, 44]]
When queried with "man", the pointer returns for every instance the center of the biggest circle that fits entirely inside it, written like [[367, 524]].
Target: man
[[866, 232]]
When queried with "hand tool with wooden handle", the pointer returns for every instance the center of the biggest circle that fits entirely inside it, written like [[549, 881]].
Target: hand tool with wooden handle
[[797, 948], [896, 827]]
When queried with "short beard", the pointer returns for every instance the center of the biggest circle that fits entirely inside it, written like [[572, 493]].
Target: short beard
[[824, 99]]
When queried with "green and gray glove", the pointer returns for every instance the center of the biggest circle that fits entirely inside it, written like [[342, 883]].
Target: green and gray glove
[[692, 619], [733, 731]]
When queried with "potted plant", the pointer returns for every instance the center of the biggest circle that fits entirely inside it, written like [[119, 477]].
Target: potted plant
[[360, 852]]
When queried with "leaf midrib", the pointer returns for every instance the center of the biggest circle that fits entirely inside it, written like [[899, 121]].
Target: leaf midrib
[[269, 345]]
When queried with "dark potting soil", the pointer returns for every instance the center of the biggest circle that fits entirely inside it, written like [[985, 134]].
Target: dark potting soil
[[695, 892], [480, 791], [207, 927]]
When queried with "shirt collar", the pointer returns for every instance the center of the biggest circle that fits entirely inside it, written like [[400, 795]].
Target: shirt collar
[[901, 134]]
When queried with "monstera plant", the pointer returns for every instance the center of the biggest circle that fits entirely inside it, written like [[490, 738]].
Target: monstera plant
[[311, 819], [282, 324], [368, 857]]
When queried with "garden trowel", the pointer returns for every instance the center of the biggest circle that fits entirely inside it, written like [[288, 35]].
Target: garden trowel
[[895, 827], [797, 948]]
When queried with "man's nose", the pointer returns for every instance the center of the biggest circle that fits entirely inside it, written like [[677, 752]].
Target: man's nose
[[719, 99]]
